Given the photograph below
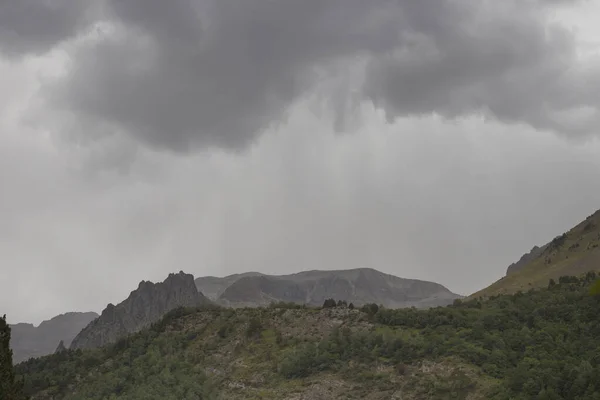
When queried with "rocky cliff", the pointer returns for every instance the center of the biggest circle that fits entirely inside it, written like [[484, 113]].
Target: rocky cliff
[[145, 305], [358, 286], [28, 341]]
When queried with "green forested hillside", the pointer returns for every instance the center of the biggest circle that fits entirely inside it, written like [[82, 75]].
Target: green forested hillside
[[536, 345]]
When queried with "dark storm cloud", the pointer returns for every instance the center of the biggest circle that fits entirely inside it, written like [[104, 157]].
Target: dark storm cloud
[[30, 26], [184, 74], [214, 74], [508, 65]]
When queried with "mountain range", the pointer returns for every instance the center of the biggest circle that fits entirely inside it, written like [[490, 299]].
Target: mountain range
[[151, 301]]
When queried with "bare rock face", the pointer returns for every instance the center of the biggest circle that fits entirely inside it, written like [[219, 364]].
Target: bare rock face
[[145, 305], [28, 341]]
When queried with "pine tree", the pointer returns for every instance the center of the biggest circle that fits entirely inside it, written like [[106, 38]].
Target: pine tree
[[9, 388]]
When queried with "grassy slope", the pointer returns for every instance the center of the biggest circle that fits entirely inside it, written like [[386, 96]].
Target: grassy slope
[[577, 254]]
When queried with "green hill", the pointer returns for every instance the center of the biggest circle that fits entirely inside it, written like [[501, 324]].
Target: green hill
[[536, 345], [573, 253]]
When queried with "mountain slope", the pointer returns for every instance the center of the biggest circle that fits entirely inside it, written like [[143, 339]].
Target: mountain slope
[[471, 350], [525, 259], [145, 305], [29, 341], [574, 252], [359, 286]]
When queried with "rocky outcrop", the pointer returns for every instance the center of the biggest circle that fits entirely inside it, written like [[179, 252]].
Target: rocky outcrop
[[145, 305], [28, 341], [358, 286], [60, 348], [534, 253]]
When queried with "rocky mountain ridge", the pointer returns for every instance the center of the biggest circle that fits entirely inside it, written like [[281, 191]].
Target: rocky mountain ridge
[[525, 259], [145, 305], [359, 286]]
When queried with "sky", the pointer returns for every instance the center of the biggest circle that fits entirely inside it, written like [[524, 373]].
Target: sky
[[432, 139]]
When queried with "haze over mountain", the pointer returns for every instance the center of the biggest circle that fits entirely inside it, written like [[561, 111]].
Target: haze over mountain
[[358, 286], [145, 305], [571, 253], [29, 341], [432, 139]]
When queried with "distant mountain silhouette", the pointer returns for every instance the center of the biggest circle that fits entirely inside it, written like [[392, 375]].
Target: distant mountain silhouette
[[28, 341], [359, 286]]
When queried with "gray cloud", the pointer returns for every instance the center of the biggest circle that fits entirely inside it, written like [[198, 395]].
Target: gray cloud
[[182, 74], [31, 26], [214, 75], [509, 65]]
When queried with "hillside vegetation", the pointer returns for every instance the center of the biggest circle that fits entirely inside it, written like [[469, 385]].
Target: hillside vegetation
[[10, 388], [573, 253], [536, 345]]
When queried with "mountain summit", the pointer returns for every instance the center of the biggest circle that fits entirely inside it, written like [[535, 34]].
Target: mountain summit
[[358, 286], [145, 305]]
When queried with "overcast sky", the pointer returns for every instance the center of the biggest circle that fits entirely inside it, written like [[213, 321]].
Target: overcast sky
[[430, 139]]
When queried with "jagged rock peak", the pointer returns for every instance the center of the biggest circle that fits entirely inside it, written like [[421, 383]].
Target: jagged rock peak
[[61, 347], [145, 305]]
